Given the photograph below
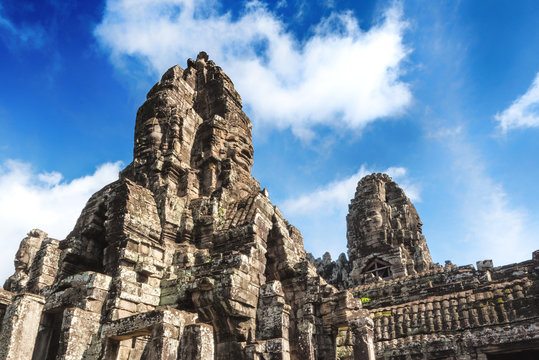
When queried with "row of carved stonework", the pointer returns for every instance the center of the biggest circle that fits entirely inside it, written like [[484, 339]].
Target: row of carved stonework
[[502, 303], [469, 344]]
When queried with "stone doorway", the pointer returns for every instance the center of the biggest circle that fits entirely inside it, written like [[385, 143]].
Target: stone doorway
[[344, 344], [48, 336]]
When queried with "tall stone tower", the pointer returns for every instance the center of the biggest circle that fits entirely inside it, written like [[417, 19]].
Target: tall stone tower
[[384, 232], [184, 257]]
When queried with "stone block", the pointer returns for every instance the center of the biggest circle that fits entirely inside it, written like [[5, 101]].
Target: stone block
[[197, 342], [20, 327]]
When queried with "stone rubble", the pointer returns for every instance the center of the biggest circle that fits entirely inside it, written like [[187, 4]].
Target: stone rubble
[[185, 257]]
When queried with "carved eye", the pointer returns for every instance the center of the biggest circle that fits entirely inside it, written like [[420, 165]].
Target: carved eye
[[246, 152]]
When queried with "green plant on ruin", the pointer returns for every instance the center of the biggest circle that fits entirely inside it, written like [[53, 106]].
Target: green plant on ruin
[[221, 214]]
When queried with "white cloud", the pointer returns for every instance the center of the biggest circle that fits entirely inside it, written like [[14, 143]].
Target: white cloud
[[335, 196], [341, 76], [321, 215], [523, 112], [30, 200]]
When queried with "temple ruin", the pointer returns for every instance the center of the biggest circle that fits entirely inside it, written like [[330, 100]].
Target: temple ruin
[[185, 257]]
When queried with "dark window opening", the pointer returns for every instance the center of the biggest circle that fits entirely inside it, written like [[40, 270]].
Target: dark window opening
[[142, 278], [521, 355], [378, 268], [2, 313]]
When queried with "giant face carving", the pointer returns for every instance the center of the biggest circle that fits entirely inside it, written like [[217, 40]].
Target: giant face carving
[[372, 218], [22, 258], [239, 151]]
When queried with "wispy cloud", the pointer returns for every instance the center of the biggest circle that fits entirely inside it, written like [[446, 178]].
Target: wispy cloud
[[444, 132], [321, 214], [42, 200], [281, 4], [342, 76], [25, 35], [493, 226], [523, 112]]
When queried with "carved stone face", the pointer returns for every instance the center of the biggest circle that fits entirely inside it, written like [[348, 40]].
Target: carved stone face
[[22, 258], [153, 132], [372, 218], [228, 143], [381, 219], [239, 151]]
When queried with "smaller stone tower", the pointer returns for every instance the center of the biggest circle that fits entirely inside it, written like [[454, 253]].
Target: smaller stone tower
[[384, 232]]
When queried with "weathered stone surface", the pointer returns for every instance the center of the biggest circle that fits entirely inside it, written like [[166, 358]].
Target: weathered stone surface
[[185, 239], [335, 272], [424, 310], [185, 257], [197, 343], [20, 323], [384, 229], [24, 258]]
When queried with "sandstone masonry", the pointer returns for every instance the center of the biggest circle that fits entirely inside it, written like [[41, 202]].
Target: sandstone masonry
[[422, 310], [185, 257]]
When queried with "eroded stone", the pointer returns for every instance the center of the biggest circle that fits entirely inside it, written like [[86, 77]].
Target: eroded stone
[[185, 257]]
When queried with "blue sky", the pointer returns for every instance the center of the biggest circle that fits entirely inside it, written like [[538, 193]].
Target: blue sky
[[443, 95]]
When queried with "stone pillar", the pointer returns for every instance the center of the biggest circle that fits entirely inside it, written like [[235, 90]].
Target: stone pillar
[[197, 343], [20, 326], [363, 338], [164, 343], [306, 345], [277, 349], [78, 327], [273, 314]]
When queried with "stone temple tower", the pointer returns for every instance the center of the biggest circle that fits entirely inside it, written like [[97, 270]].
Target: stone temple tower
[[384, 232], [184, 257]]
